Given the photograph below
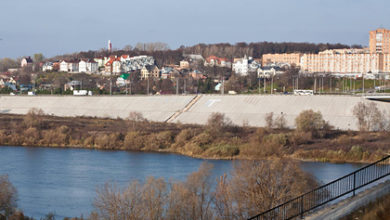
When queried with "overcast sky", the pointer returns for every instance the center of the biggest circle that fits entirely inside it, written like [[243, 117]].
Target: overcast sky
[[54, 27]]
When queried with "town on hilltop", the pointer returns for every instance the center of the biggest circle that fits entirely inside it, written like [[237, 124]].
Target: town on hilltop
[[242, 68]]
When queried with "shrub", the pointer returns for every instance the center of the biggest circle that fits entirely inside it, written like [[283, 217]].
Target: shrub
[[310, 121], [218, 123], [34, 118], [202, 139], [133, 141], [158, 141], [31, 136], [184, 136], [225, 150]]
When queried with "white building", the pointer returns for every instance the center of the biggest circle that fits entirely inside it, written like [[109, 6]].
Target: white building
[[47, 67], [341, 63], [240, 66], [86, 66], [64, 66], [70, 67]]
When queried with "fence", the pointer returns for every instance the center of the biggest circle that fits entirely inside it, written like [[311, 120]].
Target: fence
[[302, 204]]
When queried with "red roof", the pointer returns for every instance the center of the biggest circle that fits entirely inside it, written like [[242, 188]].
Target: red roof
[[216, 59]]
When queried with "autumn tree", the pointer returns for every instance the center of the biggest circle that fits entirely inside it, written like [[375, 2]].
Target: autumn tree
[[256, 186], [311, 121], [8, 196]]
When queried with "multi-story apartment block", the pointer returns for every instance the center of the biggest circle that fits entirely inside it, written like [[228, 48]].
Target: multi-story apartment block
[[290, 58], [341, 63], [380, 41]]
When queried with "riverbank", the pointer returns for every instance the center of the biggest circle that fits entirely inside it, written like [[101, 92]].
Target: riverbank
[[216, 140]]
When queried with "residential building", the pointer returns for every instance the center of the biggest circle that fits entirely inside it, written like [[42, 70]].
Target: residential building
[[87, 66], [48, 66], [145, 73], [290, 58], [100, 62], [194, 57], [240, 66], [63, 66], [341, 63], [136, 63], [155, 72], [113, 66], [184, 64], [26, 61], [269, 71], [380, 41], [217, 61]]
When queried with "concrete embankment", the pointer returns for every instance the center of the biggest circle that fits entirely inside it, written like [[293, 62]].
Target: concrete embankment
[[349, 205], [250, 109], [153, 108]]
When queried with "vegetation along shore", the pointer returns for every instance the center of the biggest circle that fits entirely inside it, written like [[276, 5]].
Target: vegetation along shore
[[312, 139]]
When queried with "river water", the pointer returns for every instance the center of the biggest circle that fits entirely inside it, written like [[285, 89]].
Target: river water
[[64, 181]]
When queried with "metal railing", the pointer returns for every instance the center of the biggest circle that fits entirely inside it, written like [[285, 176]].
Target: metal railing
[[324, 194]]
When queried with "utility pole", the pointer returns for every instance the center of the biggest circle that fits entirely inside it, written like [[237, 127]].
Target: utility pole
[[265, 85], [147, 87], [177, 86], [110, 86], [272, 85], [363, 83], [185, 86], [223, 87]]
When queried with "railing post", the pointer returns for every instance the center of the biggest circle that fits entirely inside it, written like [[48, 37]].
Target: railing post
[[301, 207], [354, 183]]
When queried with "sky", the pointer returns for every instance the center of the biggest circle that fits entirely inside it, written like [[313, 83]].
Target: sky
[[55, 27]]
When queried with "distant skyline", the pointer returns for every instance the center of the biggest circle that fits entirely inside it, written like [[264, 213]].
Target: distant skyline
[[58, 27]]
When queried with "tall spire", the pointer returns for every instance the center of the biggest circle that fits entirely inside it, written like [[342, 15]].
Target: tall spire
[[109, 46]]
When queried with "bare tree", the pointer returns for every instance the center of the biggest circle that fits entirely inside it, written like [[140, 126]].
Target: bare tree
[[218, 122], [34, 118], [280, 122], [8, 196], [369, 117], [269, 119], [256, 186]]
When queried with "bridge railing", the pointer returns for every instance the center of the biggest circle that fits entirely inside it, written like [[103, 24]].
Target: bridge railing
[[324, 194]]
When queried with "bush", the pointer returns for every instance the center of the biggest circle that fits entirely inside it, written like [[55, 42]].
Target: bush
[[218, 123], [133, 141], [184, 136], [223, 151], [34, 118], [310, 121], [158, 141], [31, 136]]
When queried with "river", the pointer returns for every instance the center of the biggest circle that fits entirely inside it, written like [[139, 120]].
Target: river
[[64, 181]]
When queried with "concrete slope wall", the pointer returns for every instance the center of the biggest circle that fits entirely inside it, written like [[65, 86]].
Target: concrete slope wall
[[239, 108], [154, 108], [253, 108]]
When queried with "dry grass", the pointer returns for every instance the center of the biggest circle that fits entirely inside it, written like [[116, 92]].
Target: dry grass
[[218, 139]]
